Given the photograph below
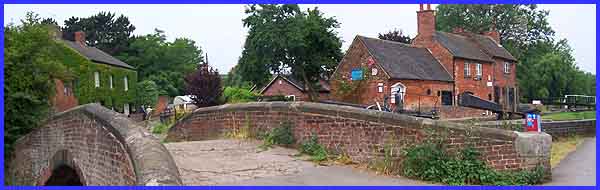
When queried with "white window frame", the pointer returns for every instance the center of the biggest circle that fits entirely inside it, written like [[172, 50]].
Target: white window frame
[[506, 67], [467, 70], [291, 96], [126, 83], [97, 79], [110, 81], [393, 93], [380, 87], [478, 70]]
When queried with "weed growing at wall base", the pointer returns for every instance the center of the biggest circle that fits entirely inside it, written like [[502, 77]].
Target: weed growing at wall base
[[279, 136], [431, 162], [316, 151]]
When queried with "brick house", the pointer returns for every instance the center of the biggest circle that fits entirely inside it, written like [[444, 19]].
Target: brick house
[[431, 72], [98, 77], [285, 85]]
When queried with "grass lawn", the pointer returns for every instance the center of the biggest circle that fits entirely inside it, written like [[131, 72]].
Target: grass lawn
[[561, 147], [570, 115]]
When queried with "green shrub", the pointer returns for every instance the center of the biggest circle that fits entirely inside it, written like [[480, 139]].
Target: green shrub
[[312, 148], [279, 136], [431, 162], [239, 95], [161, 128]]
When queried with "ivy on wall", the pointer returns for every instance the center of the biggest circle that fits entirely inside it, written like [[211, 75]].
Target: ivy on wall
[[348, 88], [82, 76]]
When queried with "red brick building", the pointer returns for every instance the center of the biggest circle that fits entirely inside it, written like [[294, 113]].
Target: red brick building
[[282, 85], [432, 71]]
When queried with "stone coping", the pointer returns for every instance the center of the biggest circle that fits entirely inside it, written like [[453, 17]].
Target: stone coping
[[351, 112]]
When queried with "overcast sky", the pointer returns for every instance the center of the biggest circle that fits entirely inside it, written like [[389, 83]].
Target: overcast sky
[[218, 28]]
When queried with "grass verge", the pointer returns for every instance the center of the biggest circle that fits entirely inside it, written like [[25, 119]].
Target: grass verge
[[563, 116], [561, 147]]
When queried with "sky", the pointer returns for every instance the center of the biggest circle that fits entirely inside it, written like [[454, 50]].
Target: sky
[[219, 31]]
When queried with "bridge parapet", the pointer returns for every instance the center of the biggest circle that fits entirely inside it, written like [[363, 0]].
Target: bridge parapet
[[102, 146], [362, 134]]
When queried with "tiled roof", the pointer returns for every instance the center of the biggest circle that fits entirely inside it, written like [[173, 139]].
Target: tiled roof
[[462, 46], [403, 61], [96, 55]]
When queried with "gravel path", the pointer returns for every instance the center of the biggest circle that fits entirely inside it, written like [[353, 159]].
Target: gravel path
[[241, 162]]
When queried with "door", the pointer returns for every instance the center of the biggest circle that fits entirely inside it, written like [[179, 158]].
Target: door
[[398, 91], [497, 94], [446, 98]]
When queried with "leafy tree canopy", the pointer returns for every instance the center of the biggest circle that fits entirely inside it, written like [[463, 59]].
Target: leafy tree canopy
[[204, 85], [395, 35], [104, 31], [165, 63], [284, 38], [30, 67]]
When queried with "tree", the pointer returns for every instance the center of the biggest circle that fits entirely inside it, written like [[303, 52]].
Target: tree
[[395, 35], [204, 85], [104, 31], [284, 38], [30, 67], [49, 21], [147, 92], [165, 63]]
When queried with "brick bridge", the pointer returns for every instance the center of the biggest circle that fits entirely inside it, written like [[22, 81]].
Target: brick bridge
[[91, 145], [362, 134]]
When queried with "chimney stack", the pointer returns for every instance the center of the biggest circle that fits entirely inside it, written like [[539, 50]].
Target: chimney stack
[[426, 21], [493, 33], [80, 37]]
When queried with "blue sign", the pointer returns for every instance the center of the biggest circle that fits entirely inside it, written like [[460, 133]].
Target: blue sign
[[357, 74]]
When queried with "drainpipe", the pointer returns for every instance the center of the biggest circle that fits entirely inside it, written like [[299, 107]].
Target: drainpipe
[[454, 96]]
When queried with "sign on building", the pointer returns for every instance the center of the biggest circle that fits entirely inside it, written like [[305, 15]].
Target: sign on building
[[357, 74]]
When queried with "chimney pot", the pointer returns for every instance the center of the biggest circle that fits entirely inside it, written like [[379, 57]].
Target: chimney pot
[[80, 37], [428, 6], [420, 7]]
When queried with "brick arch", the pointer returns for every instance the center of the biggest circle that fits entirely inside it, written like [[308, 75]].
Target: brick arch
[[102, 146], [61, 158], [361, 134]]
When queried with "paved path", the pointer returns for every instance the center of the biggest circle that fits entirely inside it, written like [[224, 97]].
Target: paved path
[[241, 162], [578, 168]]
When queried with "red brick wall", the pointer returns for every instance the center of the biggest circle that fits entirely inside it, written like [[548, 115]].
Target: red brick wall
[[161, 105], [416, 93], [478, 87], [450, 112], [103, 146], [359, 133], [366, 92], [62, 101]]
